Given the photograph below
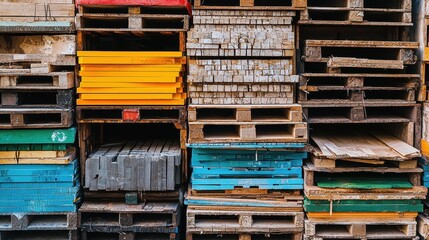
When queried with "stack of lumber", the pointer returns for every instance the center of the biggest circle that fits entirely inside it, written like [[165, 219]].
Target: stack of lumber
[[362, 186], [241, 56], [153, 165], [39, 184], [40, 16], [131, 78], [245, 192]]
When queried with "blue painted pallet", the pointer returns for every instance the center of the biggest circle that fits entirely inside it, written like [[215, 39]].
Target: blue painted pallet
[[261, 183], [246, 158], [226, 202], [203, 173], [246, 145], [425, 166], [42, 190]]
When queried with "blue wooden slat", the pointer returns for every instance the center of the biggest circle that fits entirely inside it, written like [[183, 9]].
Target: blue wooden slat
[[261, 186], [32, 179], [239, 163], [37, 184], [248, 181], [40, 191], [39, 209], [35, 172], [225, 202], [247, 154], [72, 166], [269, 173], [246, 145]]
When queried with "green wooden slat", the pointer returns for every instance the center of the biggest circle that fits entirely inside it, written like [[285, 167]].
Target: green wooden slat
[[363, 206], [38, 136], [34, 147], [364, 183]]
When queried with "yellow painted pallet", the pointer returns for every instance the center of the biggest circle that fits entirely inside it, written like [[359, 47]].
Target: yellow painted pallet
[[83, 102], [139, 58], [131, 79]]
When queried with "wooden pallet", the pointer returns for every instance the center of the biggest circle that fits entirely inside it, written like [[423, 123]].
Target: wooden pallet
[[135, 22], [323, 50], [52, 234], [245, 113], [108, 217], [203, 132], [127, 236], [153, 165], [344, 217], [39, 81], [36, 98], [361, 229], [224, 221], [320, 162], [413, 190], [35, 118], [38, 221], [38, 157], [343, 111], [241, 199], [249, 5], [243, 236], [319, 87], [135, 114], [350, 12]]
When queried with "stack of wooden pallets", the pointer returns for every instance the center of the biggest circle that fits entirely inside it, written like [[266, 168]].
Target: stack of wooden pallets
[[246, 133], [131, 115], [358, 87], [39, 185]]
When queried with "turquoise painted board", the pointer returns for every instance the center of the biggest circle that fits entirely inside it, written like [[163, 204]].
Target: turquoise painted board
[[246, 145], [39, 184], [38, 136], [225, 202], [260, 186], [197, 173], [363, 206], [232, 183], [39, 191]]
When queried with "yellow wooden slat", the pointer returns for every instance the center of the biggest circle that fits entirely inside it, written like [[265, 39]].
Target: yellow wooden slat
[[132, 79], [426, 55], [82, 102], [53, 160], [130, 60], [156, 90], [129, 74], [425, 147], [133, 68], [133, 96], [129, 85], [32, 154], [153, 54]]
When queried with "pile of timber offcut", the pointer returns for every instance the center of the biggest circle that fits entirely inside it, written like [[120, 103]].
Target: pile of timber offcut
[[153, 165]]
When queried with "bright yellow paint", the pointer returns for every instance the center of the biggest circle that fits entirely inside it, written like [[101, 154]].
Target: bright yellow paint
[[82, 102], [158, 90], [129, 85], [129, 54], [129, 74], [32, 154], [426, 55], [425, 147], [132, 79], [134, 68], [130, 60], [129, 96]]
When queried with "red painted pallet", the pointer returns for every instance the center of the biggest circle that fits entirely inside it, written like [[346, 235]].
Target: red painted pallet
[[166, 3]]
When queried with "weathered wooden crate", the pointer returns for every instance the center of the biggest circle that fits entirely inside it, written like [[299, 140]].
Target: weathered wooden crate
[[411, 177], [358, 12], [326, 87], [143, 166], [233, 222], [203, 132], [245, 113], [220, 33], [35, 118], [52, 234], [111, 217], [360, 229], [244, 236]]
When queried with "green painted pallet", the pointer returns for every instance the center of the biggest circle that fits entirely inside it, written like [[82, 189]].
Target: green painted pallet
[[363, 205], [364, 183], [38, 136]]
